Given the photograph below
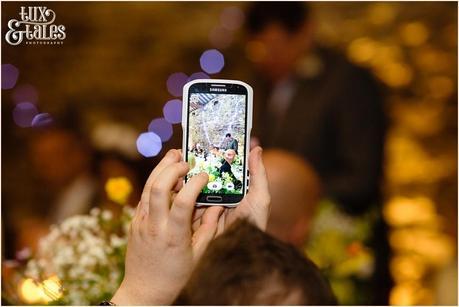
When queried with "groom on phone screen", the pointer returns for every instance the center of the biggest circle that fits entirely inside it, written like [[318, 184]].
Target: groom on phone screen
[[230, 143]]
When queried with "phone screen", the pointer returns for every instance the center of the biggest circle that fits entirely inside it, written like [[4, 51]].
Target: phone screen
[[216, 139]]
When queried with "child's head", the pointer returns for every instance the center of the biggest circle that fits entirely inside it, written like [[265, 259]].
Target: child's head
[[245, 266]]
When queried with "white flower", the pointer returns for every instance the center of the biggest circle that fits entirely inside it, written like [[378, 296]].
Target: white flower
[[217, 164], [116, 241], [229, 186], [106, 215], [97, 252], [79, 251], [214, 186], [95, 211], [129, 211], [88, 261], [32, 269], [78, 298]]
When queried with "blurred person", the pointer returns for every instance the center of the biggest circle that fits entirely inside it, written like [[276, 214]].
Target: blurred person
[[168, 234], [313, 102], [228, 158], [63, 162], [318, 104], [63, 180], [245, 266], [230, 143], [215, 151], [295, 192]]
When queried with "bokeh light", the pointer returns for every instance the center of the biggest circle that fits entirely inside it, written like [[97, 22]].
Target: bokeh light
[[362, 50], [162, 128], [24, 113], [212, 61], [414, 34], [52, 289], [118, 189], [395, 74], [31, 292], [232, 18], [198, 75], [440, 87], [173, 111], [10, 76], [175, 83], [381, 14], [405, 294], [402, 211], [42, 120], [148, 144], [25, 92], [407, 267]]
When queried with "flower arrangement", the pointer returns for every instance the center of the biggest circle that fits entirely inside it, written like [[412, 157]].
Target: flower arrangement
[[223, 183], [80, 262], [338, 245]]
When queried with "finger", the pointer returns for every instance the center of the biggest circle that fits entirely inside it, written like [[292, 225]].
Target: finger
[[198, 212], [172, 156], [258, 196], [196, 219], [179, 185], [135, 222], [254, 142], [206, 231], [137, 210], [195, 223], [258, 178], [179, 222], [222, 222], [173, 195], [160, 192]]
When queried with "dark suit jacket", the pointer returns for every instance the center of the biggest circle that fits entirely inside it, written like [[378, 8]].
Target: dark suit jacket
[[336, 121]]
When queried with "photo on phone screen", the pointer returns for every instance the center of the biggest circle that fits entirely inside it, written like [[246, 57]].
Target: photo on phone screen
[[216, 140]]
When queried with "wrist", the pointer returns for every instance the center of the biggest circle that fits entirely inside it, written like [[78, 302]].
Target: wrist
[[123, 297], [130, 294]]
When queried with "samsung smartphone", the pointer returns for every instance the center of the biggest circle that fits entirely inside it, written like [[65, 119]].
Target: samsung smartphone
[[216, 122]]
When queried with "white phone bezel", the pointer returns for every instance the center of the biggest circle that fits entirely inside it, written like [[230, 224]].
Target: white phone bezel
[[186, 88]]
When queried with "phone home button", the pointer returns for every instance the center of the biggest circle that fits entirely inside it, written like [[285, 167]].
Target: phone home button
[[214, 199]]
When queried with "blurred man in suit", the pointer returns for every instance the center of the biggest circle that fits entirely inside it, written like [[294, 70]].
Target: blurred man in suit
[[321, 107]]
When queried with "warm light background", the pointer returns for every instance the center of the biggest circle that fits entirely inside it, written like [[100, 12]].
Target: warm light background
[[115, 61]]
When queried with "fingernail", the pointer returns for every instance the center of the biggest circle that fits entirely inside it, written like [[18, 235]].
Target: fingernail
[[260, 153]]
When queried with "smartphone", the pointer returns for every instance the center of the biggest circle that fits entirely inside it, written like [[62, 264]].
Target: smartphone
[[216, 122]]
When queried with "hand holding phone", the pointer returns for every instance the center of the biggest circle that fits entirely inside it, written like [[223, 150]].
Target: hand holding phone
[[161, 250]]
